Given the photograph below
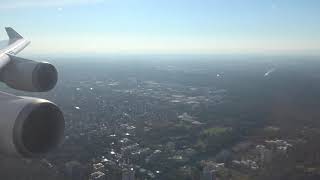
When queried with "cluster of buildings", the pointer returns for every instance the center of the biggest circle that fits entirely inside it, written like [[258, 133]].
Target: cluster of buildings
[[253, 156], [211, 170], [108, 122]]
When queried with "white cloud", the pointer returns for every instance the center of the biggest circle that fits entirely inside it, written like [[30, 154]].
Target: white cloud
[[12, 4]]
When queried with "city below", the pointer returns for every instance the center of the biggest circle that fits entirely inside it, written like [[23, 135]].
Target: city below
[[188, 118]]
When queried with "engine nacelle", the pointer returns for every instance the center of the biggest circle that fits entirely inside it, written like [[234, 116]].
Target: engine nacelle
[[29, 127], [28, 75]]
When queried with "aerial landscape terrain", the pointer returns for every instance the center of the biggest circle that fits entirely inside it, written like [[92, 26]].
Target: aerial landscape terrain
[[182, 117], [159, 90]]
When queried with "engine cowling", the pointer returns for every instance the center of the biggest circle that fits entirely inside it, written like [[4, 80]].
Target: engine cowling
[[29, 127], [28, 75]]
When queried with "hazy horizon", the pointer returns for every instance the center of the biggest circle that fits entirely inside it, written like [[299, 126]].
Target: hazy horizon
[[165, 27]]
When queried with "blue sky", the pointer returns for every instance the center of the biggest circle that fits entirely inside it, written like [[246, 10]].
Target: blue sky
[[166, 26]]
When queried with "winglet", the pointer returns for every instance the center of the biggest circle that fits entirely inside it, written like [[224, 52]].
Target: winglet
[[13, 35]]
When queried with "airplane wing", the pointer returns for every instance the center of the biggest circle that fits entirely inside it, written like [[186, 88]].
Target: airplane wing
[[16, 44], [29, 127]]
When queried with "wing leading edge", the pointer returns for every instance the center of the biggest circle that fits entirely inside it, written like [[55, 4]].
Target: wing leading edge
[[16, 44]]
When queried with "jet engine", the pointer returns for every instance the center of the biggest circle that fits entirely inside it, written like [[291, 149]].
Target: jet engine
[[29, 127], [28, 75]]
